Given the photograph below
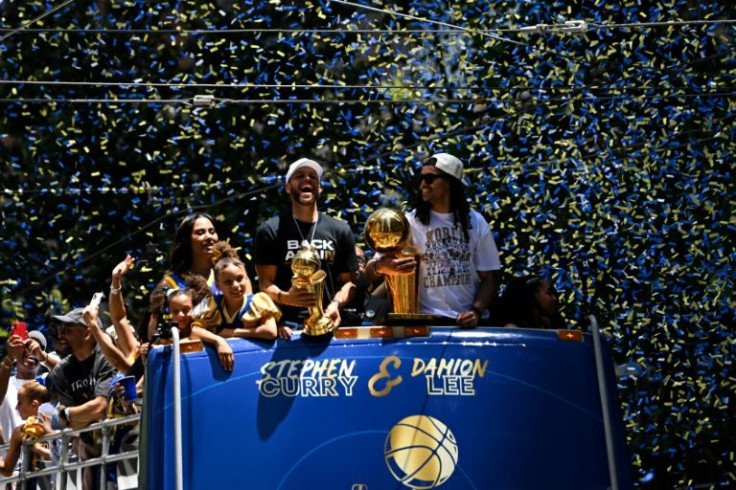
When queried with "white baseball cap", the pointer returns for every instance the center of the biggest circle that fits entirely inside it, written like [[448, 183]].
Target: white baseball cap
[[449, 164], [38, 337], [303, 162]]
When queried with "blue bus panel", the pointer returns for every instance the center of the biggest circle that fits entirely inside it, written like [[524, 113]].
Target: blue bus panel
[[458, 409]]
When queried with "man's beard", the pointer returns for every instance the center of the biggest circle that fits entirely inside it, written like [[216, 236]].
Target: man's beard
[[296, 196]]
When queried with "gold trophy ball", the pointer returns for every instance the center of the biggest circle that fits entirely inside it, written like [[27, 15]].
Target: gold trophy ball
[[306, 262], [387, 231]]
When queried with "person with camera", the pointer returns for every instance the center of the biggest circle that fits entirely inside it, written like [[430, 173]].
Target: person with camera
[[179, 305]]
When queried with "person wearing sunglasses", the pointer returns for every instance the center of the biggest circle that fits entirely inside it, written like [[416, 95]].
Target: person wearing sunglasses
[[455, 246]]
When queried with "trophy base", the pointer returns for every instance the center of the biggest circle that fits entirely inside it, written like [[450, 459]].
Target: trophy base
[[320, 327], [410, 319]]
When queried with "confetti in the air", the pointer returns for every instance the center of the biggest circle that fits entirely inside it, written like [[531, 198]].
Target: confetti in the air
[[603, 157]]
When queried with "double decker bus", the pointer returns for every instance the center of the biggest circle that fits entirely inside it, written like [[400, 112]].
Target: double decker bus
[[387, 407]]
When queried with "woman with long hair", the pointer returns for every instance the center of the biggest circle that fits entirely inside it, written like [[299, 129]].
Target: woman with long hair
[[191, 254]]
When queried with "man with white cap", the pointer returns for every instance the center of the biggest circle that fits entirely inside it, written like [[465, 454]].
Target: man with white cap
[[458, 255], [281, 237]]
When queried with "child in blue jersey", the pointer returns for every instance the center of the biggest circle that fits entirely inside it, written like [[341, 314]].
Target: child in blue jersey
[[235, 313]]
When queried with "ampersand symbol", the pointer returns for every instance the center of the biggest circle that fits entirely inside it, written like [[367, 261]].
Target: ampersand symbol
[[383, 373]]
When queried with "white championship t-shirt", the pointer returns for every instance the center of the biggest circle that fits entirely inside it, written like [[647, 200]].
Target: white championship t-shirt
[[449, 264]]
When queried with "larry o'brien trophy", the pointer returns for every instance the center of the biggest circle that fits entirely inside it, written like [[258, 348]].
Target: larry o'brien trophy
[[307, 275], [387, 231]]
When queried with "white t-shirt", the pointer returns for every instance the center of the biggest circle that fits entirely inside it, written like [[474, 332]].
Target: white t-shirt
[[9, 416], [449, 264]]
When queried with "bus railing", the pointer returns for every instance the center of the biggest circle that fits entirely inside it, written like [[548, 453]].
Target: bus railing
[[69, 466]]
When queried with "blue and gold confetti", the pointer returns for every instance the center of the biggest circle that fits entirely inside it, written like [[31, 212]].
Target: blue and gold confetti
[[601, 152]]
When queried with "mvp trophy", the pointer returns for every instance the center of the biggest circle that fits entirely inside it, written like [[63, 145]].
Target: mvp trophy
[[307, 275], [387, 231]]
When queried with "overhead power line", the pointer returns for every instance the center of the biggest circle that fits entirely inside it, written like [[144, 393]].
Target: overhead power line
[[211, 101], [35, 19], [564, 27], [288, 86], [667, 23], [429, 21]]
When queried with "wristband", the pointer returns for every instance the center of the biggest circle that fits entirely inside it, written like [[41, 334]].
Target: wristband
[[375, 268], [115, 290]]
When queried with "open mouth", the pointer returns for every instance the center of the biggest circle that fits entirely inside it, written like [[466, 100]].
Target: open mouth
[[30, 361], [306, 190]]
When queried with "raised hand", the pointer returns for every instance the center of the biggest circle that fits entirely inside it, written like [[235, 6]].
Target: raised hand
[[122, 268]]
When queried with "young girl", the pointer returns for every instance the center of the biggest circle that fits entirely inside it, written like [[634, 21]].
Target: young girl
[[236, 313], [30, 397], [530, 302], [181, 306]]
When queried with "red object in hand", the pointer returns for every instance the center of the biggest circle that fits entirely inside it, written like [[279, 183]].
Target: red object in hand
[[20, 329]]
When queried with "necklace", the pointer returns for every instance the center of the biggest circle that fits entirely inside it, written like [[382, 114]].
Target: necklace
[[314, 228]]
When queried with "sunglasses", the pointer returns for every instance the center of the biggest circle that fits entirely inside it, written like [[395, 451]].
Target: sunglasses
[[66, 326], [429, 178]]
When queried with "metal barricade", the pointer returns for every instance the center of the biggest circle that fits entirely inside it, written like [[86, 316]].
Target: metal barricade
[[69, 466]]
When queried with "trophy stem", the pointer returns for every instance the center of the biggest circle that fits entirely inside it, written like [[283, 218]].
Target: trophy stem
[[317, 323], [402, 292], [387, 231]]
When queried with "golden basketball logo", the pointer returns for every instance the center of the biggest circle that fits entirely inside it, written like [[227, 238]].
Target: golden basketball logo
[[421, 452]]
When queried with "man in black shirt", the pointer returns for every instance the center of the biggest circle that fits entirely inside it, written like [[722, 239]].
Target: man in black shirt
[[280, 238]]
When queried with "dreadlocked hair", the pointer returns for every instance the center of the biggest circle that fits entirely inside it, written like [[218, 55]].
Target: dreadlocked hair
[[458, 205]]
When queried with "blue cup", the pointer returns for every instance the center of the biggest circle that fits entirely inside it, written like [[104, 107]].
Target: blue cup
[[128, 384]]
